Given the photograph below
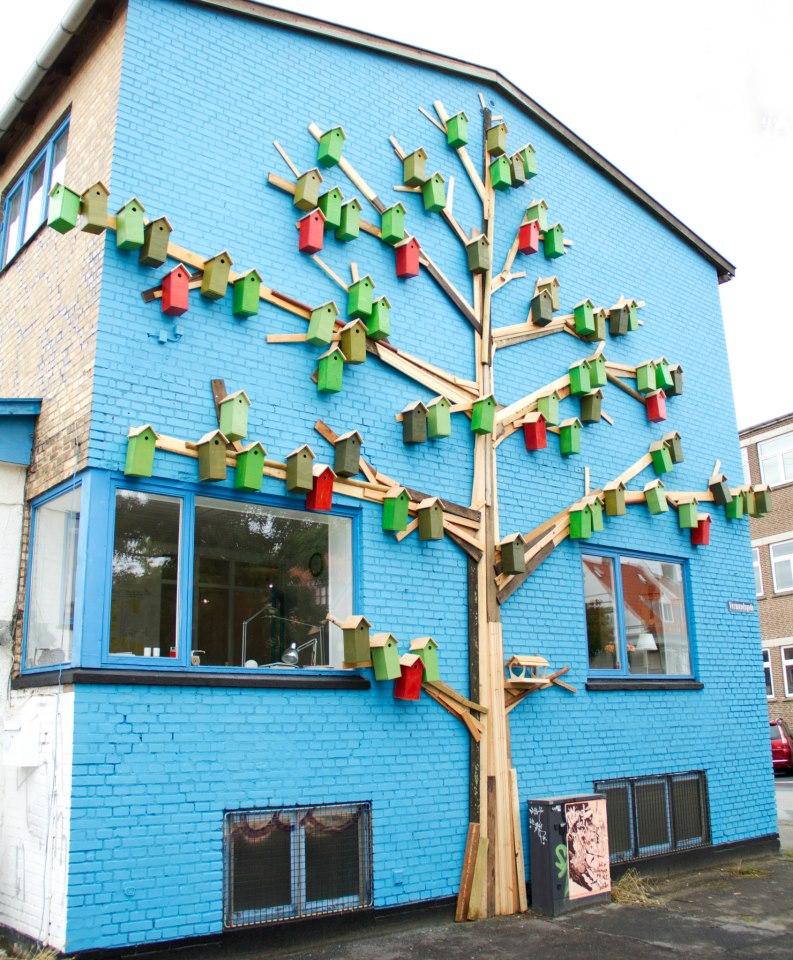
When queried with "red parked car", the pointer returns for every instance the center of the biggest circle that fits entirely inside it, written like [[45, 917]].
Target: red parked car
[[781, 747]]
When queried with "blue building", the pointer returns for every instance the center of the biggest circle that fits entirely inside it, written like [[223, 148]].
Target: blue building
[[223, 708]]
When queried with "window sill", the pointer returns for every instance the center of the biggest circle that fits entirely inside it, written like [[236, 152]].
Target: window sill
[[624, 683]]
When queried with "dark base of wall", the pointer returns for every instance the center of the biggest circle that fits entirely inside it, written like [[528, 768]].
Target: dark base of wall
[[686, 860]]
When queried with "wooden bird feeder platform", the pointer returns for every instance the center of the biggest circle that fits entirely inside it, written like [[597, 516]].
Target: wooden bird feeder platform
[[527, 673]]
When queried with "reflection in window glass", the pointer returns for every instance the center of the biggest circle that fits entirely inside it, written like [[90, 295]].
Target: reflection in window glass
[[13, 218], [601, 619], [758, 575], [58, 169], [782, 565], [654, 644], [34, 215], [776, 459]]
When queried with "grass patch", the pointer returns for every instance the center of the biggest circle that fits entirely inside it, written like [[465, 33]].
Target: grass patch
[[742, 871], [632, 888]]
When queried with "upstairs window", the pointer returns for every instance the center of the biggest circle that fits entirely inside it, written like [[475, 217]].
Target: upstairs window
[[769, 679], [776, 460], [782, 566]]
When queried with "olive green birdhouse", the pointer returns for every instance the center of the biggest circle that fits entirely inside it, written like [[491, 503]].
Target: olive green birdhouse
[[551, 284], [618, 320], [749, 500], [395, 509], [457, 130], [513, 554], [496, 139], [212, 456], [579, 378], [687, 509], [330, 370], [661, 457], [156, 235], [479, 253], [392, 224], [355, 631], [141, 443], [215, 279], [529, 157], [645, 378], [548, 406], [762, 499], [517, 171], [584, 318], [675, 446], [427, 650], [249, 472], [570, 437], [655, 498], [541, 308], [591, 404], [633, 316], [130, 226], [331, 144], [439, 418], [501, 173], [307, 190], [321, 324], [359, 298], [384, 651], [414, 423], [347, 454], [430, 517], [245, 294], [64, 208], [597, 371], [94, 209], [349, 227], [614, 498], [378, 324], [597, 513], [720, 489], [433, 193], [414, 168], [600, 318], [330, 204], [483, 415], [233, 415], [554, 241], [538, 210], [676, 373], [300, 470], [580, 521], [353, 341]]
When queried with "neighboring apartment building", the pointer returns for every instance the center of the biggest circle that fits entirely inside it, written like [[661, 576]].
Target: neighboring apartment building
[[169, 771], [767, 450]]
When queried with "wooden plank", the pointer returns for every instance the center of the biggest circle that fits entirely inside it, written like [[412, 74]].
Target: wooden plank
[[473, 552], [285, 157], [520, 865], [449, 506], [432, 120], [492, 832], [286, 338], [413, 525], [406, 365], [455, 695], [477, 905], [613, 378], [518, 580], [450, 290], [473, 726], [333, 276], [467, 876]]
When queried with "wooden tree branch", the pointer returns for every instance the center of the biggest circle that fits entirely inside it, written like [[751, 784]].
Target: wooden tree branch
[[451, 291], [462, 153], [333, 276], [286, 159]]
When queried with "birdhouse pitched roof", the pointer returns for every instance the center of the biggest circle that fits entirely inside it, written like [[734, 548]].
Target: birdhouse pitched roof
[[435, 176], [429, 502], [534, 660], [615, 485], [353, 622], [333, 190], [223, 253], [653, 484], [137, 431], [209, 437], [546, 281], [316, 212], [395, 206], [311, 173], [416, 405], [297, 450], [571, 422], [411, 660], [513, 538], [164, 220], [129, 202], [534, 416], [499, 126], [354, 202], [538, 203], [395, 492], [253, 446], [337, 130], [352, 324], [321, 470], [348, 436], [364, 280], [334, 349], [382, 640], [584, 303], [419, 151], [97, 186], [423, 643], [253, 272], [234, 396], [438, 400]]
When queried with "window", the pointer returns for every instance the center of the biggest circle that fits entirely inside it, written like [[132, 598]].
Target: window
[[296, 862], [25, 207], [769, 679], [787, 670], [747, 476], [782, 565], [50, 607], [776, 459], [758, 573], [635, 616], [648, 816]]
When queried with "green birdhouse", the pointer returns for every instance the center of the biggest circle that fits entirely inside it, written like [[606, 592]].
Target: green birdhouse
[[300, 470], [307, 190], [675, 446], [483, 415], [538, 210], [395, 509], [663, 377], [433, 193], [359, 298], [156, 235], [655, 498], [130, 226], [322, 324], [392, 224], [548, 406], [554, 241], [541, 309], [513, 554], [720, 489], [378, 325], [215, 279], [579, 379], [661, 457], [734, 509], [63, 209], [212, 456], [618, 320], [430, 517], [355, 631], [645, 378], [457, 130], [597, 371], [249, 473], [233, 415], [353, 341], [614, 498], [570, 437], [517, 170], [687, 518], [529, 157], [427, 649], [633, 316], [551, 284], [597, 513], [246, 294], [330, 370], [385, 656], [331, 144], [349, 227], [676, 373], [580, 521], [600, 320], [762, 499], [347, 454], [496, 140], [480, 254], [93, 209], [330, 204], [414, 168], [584, 318], [591, 406], [439, 418], [414, 423], [141, 443], [501, 173], [749, 501]]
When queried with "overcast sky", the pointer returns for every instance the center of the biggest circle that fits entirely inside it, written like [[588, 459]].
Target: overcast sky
[[692, 99]]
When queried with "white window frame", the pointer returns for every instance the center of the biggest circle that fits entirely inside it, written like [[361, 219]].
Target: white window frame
[[777, 457], [786, 653], [758, 572], [747, 477], [785, 560], [768, 672]]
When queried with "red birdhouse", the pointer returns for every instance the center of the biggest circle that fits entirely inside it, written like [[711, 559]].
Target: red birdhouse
[[320, 497], [529, 237], [312, 232], [176, 291], [534, 433], [700, 535], [656, 406], [408, 685], [407, 258]]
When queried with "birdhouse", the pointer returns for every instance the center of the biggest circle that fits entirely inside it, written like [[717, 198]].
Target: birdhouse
[[517, 170], [614, 498], [538, 210], [233, 415], [93, 209], [141, 443], [548, 406], [720, 489], [570, 436], [299, 473], [359, 298], [496, 140], [330, 370], [762, 499], [246, 294], [591, 406], [584, 318], [618, 320], [392, 224], [411, 672], [479, 253], [433, 193], [320, 496], [176, 291], [734, 509], [529, 237], [439, 418], [430, 516], [414, 168], [355, 631], [551, 284], [580, 521], [541, 309], [156, 235], [483, 415], [347, 454], [663, 377], [529, 157], [579, 378], [378, 325], [513, 554], [216, 276], [63, 209], [312, 232], [212, 456], [655, 405], [501, 173], [414, 423], [427, 649], [597, 371], [385, 656], [554, 241], [130, 226], [676, 373], [661, 457], [249, 473], [330, 204], [645, 377], [322, 324], [353, 341], [535, 435], [395, 509], [457, 130], [700, 535], [749, 501], [675, 445], [307, 190], [596, 508], [655, 498], [349, 226], [633, 316], [331, 144], [407, 258], [600, 318], [687, 516]]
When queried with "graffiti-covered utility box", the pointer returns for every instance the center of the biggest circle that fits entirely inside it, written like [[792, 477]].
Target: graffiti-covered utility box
[[569, 847]]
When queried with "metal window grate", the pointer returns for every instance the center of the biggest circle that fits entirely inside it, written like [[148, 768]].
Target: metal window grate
[[291, 862]]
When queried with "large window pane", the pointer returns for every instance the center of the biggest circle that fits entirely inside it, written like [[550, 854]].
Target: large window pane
[[58, 167], [13, 223], [782, 565], [34, 213], [776, 459], [656, 631], [50, 615], [601, 615]]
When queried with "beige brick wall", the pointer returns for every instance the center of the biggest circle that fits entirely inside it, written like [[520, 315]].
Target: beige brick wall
[[779, 705]]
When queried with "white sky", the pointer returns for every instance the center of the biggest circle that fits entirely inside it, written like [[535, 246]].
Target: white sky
[[692, 99]]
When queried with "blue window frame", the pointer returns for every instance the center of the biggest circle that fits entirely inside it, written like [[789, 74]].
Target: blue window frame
[[26, 202]]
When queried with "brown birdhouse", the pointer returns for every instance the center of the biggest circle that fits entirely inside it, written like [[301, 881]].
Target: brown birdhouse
[[430, 516], [513, 557], [414, 423], [718, 486], [347, 454], [353, 341], [551, 284]]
